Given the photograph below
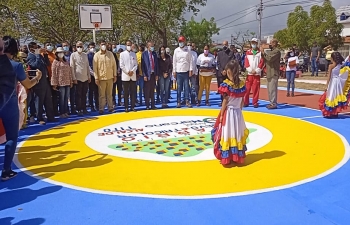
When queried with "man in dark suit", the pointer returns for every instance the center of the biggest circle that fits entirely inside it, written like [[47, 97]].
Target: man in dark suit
[[36, 61], [150, 72], [224, 56]]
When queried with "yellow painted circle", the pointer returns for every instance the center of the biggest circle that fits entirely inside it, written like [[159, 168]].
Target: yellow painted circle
[[298, 152]]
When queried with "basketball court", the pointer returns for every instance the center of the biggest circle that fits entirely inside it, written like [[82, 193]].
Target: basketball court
[[157, 167]]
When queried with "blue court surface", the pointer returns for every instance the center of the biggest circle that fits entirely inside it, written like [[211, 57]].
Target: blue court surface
[[322, 200]]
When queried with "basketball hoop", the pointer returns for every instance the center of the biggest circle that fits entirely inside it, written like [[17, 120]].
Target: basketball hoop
[[97, 26]]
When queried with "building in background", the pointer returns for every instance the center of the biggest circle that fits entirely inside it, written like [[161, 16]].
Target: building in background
[[343, 17]]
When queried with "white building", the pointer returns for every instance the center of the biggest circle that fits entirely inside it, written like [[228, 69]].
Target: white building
[[343, 17]]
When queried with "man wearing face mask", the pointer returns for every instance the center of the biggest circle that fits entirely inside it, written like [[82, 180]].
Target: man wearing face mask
[[128, 65], [35, 60], [182, 70], [150, 70], [194, 88], [93, 89], [105, 72], [79, 63], [253, 64], [119, 78], [49, 57], [272, 60], [113, 49], [224, 56], [140, 81]]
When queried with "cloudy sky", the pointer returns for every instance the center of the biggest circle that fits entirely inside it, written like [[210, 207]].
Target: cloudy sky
[[219, 9]]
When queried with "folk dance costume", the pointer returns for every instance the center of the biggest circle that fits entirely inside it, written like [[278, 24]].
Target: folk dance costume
[[337, 96], [22, 96], [253, 62], [229, 136]]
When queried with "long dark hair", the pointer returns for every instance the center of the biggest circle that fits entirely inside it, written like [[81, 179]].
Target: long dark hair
[[337, 58], [58, 58], [159, 52], [10, 46], [234, 67]]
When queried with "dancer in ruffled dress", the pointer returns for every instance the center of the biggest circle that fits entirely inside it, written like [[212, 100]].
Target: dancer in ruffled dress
[[336, 97], [230, 132]]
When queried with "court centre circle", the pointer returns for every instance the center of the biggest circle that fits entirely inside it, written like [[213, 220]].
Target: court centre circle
[[298, 152]]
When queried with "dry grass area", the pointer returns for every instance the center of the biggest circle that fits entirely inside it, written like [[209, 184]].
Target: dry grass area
[[301, 85], [307, 76]]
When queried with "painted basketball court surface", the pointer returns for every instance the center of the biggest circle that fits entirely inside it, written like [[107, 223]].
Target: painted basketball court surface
[[158, 167]]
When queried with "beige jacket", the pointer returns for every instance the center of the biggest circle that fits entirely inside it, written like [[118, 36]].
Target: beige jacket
[[105, 66]]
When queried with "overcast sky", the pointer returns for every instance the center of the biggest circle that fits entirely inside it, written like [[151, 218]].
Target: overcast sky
[[223, 8]]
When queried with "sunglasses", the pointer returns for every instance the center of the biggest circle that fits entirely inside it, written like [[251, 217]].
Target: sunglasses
[[79, 46]]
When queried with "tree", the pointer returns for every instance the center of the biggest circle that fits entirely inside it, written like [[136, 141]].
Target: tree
[[243, 38], [160, 16], [200, 32], [304, 28], [324, 26]]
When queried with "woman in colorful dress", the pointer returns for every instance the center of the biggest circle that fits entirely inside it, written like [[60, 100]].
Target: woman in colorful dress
[[230, 132], [61, 80], [336, 97]]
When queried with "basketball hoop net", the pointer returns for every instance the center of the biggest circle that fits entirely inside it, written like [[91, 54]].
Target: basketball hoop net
[[97, 26]]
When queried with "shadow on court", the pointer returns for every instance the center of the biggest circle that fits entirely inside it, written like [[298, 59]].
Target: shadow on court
[[18, 197], [34, 221]]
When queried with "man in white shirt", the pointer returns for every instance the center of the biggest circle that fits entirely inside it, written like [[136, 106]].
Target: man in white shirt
[[182, 70], [79, 63], [129, 66]]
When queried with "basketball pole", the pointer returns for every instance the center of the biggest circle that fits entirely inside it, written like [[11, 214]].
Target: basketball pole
[[94, 35]]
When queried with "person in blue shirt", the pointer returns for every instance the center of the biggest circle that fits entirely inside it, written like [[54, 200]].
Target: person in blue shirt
[[11, 72]]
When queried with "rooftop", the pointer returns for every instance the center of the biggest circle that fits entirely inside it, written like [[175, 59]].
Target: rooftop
[[343, 14]]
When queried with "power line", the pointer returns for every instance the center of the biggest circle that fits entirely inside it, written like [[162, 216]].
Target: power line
[[291, 3], [253, 11], [264, 17]]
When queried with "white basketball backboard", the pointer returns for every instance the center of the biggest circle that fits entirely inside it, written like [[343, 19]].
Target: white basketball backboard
[[90, 14]]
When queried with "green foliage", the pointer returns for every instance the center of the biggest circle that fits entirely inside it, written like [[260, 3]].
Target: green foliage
[[304, 28], [55, 21], [200, 32]]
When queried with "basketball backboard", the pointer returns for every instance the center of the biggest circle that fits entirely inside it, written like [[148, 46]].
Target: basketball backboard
[[91, 14]]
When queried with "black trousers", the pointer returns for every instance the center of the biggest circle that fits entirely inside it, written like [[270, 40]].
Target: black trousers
[[80, 95], [158, 90], [93, 94], [114, 90], [72, 98], [44, 100], [130, 89], [119, 88], [220, 80], [149, 91]]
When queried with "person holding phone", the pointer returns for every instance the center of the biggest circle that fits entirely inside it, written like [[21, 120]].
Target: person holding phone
[[62, 80], [11, 72], [36, 61], [165, 67]]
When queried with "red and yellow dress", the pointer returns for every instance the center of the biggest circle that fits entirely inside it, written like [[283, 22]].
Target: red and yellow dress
[[229, 136], [337, 96]]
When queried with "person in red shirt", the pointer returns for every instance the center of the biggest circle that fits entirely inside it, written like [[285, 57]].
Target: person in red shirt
[[253, 63]]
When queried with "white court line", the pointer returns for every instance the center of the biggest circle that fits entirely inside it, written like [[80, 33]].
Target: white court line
[[142, 195]]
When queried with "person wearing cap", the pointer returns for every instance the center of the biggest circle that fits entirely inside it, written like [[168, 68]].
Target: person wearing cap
[[253, 64], [272, 61], [62, 80], [42, 90], [182, 70]]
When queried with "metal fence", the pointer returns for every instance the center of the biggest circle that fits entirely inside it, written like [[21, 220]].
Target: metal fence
[[344, 50]]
